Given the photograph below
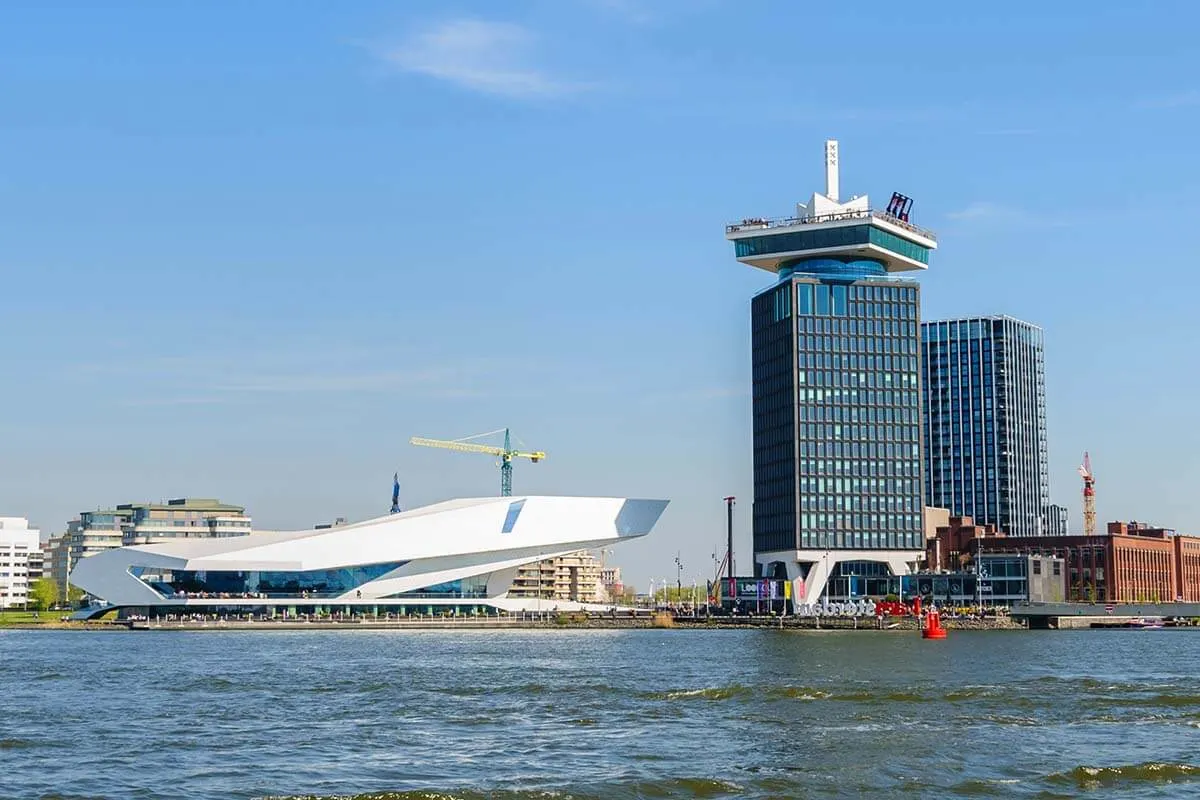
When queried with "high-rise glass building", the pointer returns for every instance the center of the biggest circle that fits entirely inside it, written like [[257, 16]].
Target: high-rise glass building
[[835, 344], [985, 423]]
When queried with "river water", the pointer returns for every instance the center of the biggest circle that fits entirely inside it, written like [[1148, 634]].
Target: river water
[[583, 714]]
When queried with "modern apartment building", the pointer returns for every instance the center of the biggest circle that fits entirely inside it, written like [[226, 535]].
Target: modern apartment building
[[836, 397], [1055, 520], [573, 577], [185, 518], [611, 583], [20, 560], [93, 532], [142, 523], [985, 423]]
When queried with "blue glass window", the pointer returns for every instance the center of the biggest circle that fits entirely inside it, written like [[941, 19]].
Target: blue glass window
[[514, 511], [822, 304], [804, 298], [802, 240], [839, 299], [309, 583]]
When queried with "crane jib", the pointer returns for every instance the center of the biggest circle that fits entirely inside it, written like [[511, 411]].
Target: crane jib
[[506, 453]]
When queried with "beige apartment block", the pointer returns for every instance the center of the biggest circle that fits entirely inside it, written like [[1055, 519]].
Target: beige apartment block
[[141, 523], [574, 577]]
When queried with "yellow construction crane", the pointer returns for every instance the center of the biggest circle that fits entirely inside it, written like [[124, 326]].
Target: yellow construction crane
[[506, 453]]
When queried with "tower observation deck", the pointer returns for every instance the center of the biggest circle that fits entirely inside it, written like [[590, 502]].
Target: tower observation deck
[[838, 495], [826, 236]]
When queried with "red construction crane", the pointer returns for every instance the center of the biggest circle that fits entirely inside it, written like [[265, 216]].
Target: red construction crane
[[1089, 496]]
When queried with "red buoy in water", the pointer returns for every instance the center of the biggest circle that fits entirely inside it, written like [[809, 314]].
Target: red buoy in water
[[933, 626]]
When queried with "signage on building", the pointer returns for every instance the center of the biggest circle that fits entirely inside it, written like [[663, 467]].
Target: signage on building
[[757, 588], [862, 608]]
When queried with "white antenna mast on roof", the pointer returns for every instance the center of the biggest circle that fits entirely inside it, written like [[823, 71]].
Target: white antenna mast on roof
[[831, 169]]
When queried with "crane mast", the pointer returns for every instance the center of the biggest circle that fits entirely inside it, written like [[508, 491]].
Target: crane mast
[[1089, 496]]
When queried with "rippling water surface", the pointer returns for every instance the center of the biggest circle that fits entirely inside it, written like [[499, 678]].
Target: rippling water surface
[[621, 714]]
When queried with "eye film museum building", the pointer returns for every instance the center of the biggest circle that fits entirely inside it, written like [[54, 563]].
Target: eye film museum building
[[460, 554]]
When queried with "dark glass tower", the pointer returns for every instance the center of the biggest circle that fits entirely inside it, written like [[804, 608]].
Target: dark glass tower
[[985, 423], [837, 468]]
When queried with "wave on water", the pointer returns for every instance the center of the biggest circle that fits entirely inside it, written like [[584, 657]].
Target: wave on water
[[739, 692], [206, 684], [1086, 777], [1009, 719], [492, 691], [984, 788], [970, 693], [875, 697], [668, 789], [353, 687], [708, 693], [1165, 699], [798, 693]]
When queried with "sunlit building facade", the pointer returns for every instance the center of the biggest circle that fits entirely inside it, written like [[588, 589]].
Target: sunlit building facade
[[836, 391], [452, 556], [985, 423], [20, 561]]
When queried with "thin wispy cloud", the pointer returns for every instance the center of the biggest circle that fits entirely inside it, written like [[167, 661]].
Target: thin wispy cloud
[[1183, 99], [785, 113], [697, 394], [490, 57], [340, 381], [203, 381], [983, 212]]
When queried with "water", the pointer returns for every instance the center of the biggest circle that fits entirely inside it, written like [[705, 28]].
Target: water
[[621, 714]]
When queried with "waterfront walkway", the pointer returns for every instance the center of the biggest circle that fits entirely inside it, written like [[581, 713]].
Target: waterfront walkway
[[565, 622]]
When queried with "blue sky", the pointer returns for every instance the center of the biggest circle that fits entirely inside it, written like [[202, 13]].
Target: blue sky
[[247, 250]]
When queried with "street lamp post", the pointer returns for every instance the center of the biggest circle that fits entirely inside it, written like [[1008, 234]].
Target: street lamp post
[[729, 533], [678, 578]]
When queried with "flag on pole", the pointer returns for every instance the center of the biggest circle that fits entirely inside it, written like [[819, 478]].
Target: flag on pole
[[396, 493]]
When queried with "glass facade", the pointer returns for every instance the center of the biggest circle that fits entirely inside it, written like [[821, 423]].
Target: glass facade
[[836, 417], [217, 583], [1001, 580], [829, 237], [474, 586], [985, 423], [510, 519]]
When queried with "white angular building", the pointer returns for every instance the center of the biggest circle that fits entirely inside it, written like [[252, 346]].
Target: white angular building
[[19, 544], [460, 553]]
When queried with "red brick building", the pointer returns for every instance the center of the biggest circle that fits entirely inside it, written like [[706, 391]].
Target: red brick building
[[952, 546], [1131, 562], [1187, 566]]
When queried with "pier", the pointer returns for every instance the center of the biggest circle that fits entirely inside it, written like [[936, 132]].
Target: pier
[[1087, 615]]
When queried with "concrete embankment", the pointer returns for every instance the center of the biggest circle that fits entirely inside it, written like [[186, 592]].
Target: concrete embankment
[[546, 622], [569, 623]]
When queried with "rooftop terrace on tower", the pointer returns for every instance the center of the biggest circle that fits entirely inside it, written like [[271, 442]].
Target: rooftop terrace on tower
[[826, 230]]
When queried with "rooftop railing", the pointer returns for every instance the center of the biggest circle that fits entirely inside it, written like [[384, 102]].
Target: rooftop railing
[[761, 223]]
